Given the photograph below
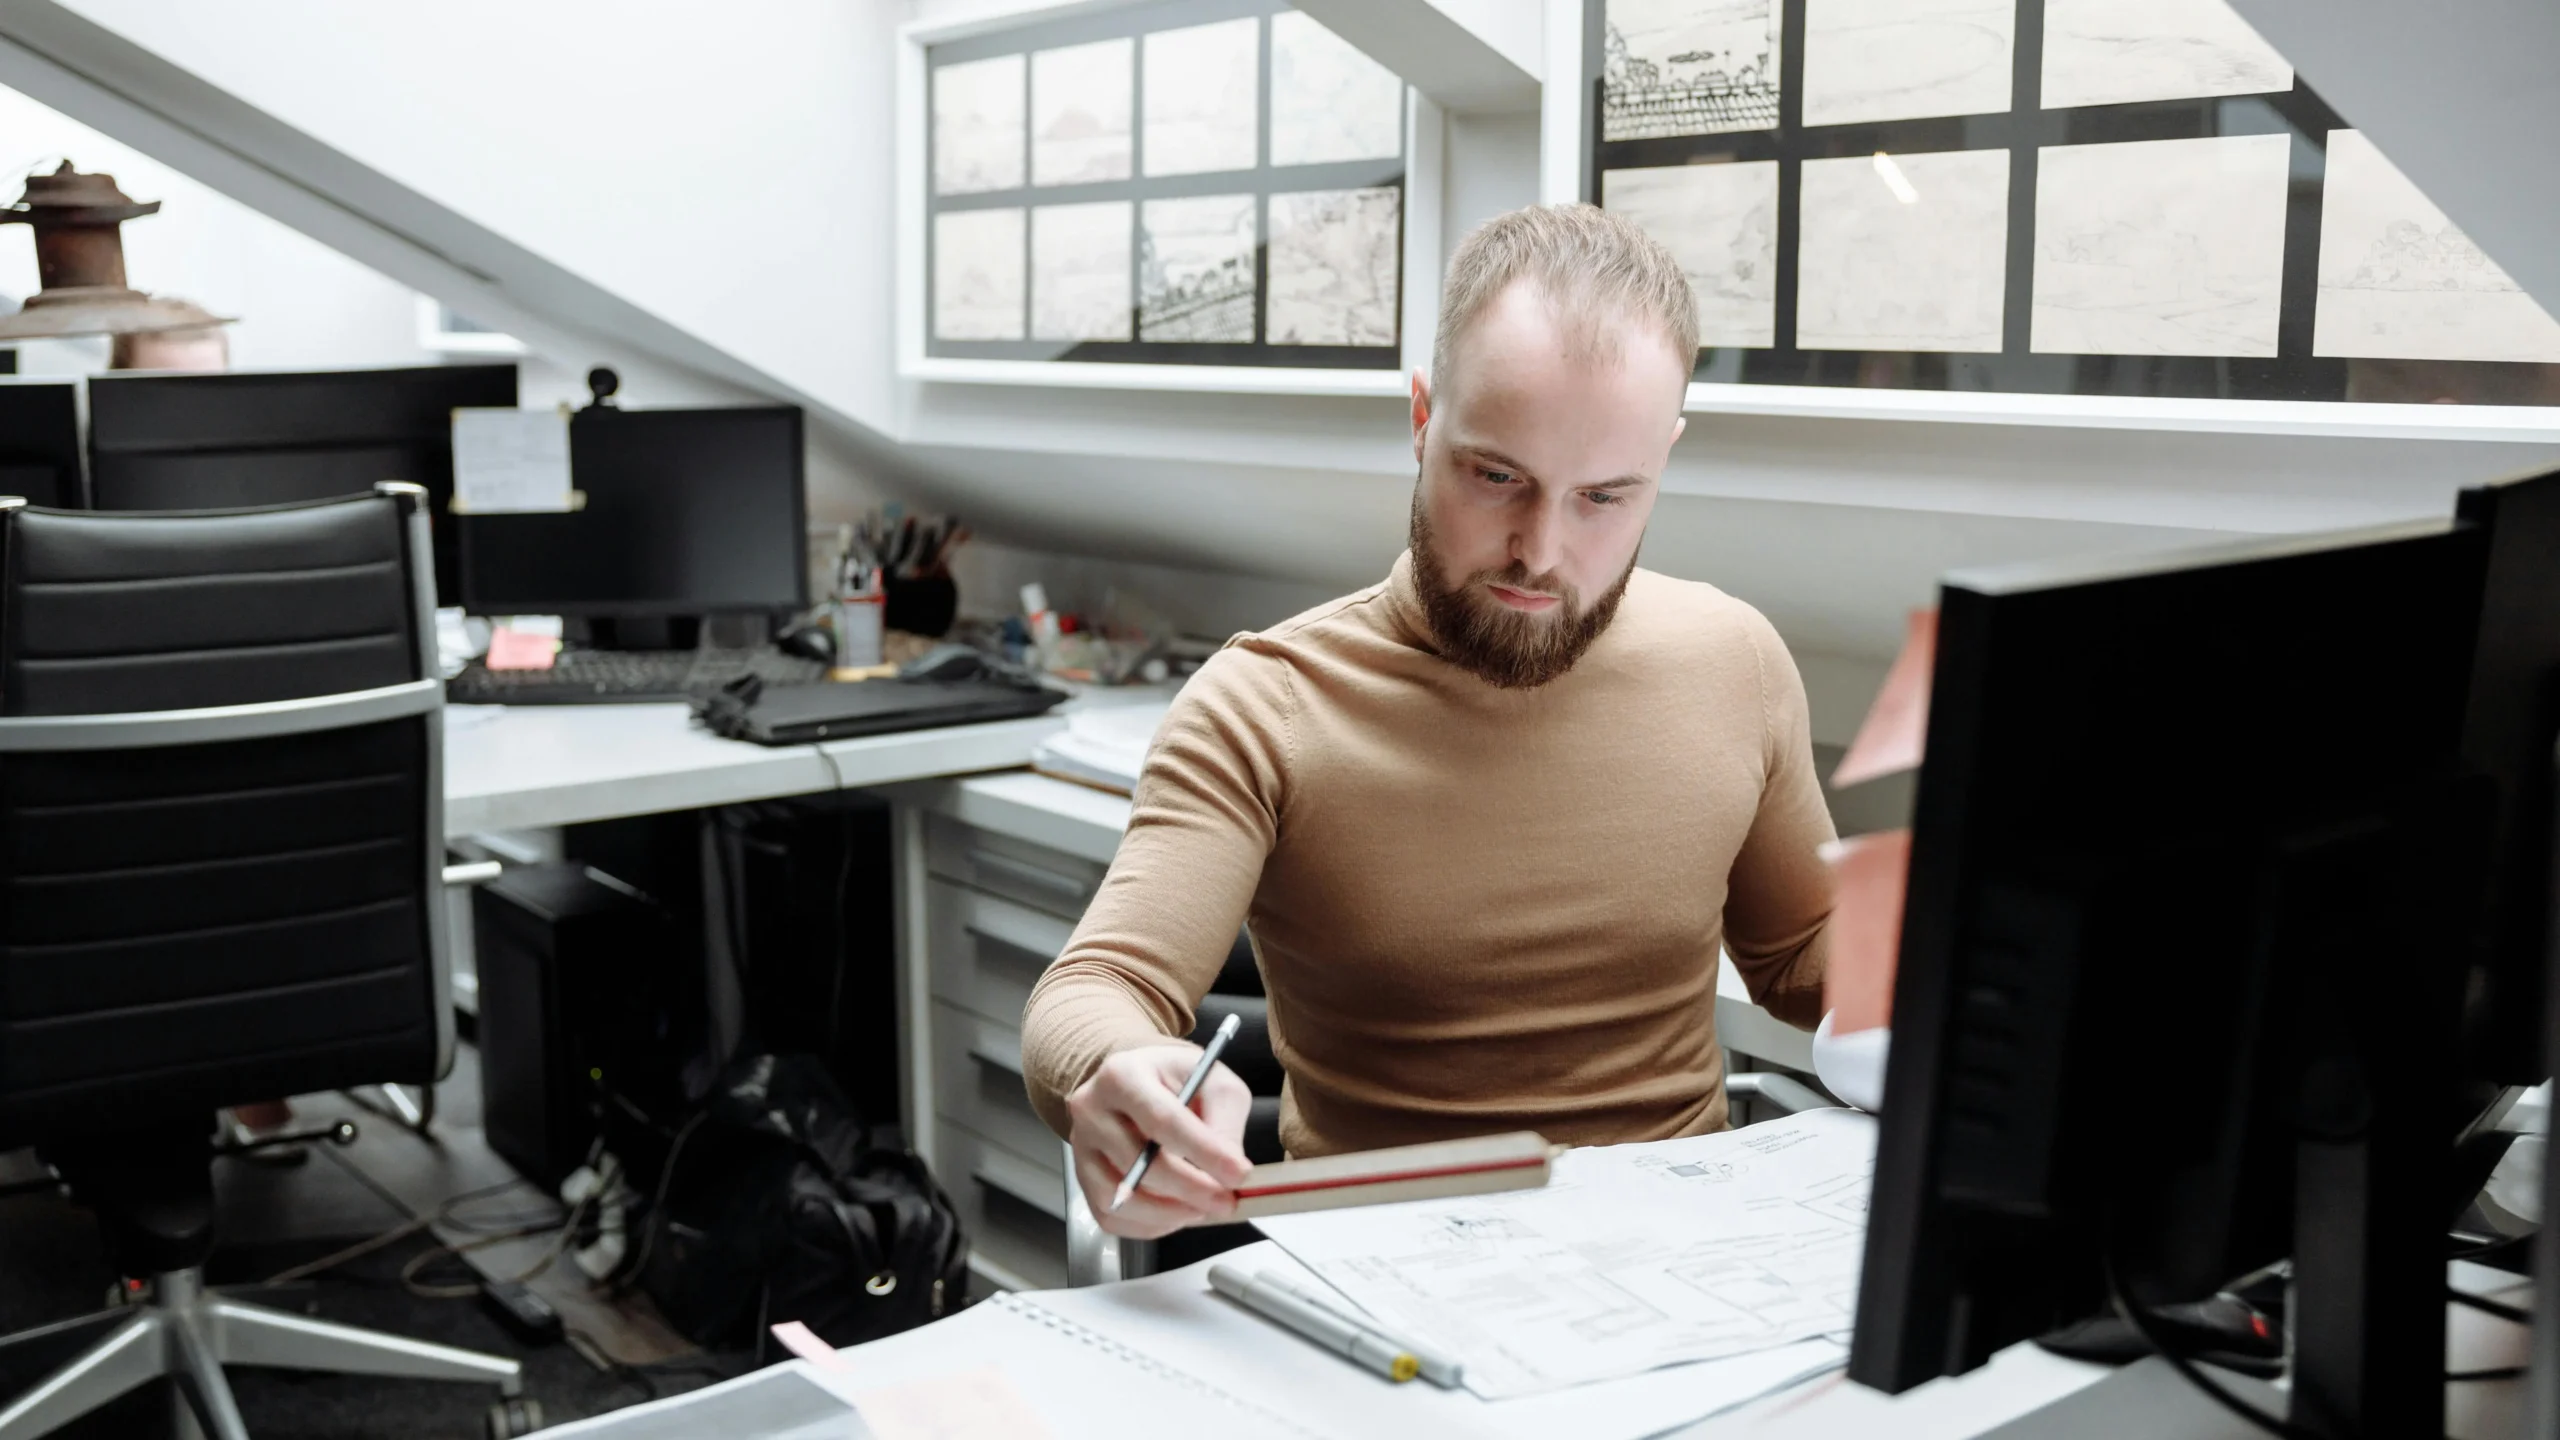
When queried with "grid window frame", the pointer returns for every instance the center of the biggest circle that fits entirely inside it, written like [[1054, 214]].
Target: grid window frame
[[2024, 130], [1027, 356]]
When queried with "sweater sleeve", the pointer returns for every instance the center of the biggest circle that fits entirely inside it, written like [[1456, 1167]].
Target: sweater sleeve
[[1203, 821], [1778, 898]]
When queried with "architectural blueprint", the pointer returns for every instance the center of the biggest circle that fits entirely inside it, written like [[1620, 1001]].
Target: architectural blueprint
[[1329, 101], [977, 126], [2399, 281], [1080, 125], [2160, 247], [1633, 1257], [1878, 271], [1688, 67], [1721, 223], [1203, 98], [2111, 52], [1903, 59], [1080, 271]]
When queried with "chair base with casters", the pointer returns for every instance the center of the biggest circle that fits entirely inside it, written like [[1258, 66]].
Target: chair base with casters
[[187, 1333], [157, 1213]]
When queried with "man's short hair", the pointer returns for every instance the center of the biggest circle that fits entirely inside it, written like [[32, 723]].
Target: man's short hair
[[1592, 266]]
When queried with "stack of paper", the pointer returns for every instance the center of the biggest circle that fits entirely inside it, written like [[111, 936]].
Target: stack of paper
[[1104, 747], [1634, 1257]]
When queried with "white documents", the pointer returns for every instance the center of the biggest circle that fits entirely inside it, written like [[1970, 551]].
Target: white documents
[[1632, 1258], [1176, 1320], [511, 462], [1104, 747]]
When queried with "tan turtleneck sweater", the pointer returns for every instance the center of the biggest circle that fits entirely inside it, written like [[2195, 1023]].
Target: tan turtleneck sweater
[[1476, 910]]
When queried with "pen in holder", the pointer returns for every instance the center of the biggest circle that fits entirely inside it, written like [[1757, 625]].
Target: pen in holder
[[858, 626]]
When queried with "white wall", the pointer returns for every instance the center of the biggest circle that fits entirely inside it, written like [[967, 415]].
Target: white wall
[[725, 169]]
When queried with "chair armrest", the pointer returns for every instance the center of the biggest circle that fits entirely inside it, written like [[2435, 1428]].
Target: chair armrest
[[1095, 1258], [1779, 1092], [473, 872]]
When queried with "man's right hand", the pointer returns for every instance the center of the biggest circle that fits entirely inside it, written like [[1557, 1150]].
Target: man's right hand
[[1132, 1100]]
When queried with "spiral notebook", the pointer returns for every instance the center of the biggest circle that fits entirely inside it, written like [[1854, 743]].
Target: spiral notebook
[[1084, 1384]]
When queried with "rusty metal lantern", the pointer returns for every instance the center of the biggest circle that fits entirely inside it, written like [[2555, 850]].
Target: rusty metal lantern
[[80, 261]]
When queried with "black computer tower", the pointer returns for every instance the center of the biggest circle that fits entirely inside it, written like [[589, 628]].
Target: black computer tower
[[581, 1028]]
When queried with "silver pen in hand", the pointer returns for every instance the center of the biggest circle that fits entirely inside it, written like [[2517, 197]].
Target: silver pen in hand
[[1190, 1088]]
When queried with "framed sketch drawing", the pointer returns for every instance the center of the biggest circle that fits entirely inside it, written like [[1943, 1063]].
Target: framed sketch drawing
[[2103, 198], [1156, 187]]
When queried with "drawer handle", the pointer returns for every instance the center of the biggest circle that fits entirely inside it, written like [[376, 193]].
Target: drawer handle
[[996, 1060], [1045, 1207], [1033, 875], [1008, 948]]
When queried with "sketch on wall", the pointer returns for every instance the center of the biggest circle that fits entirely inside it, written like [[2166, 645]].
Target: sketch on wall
[[1333, 264], [1195, 269], [1203, 98], [1080, 271], [1903, 252], [2399, 281], [2160, 247], [1329, 101], [1721, 223], [2115, 52], [1869, 60], [1688, 67], [977, 126], [977, 274], [1080, 131]]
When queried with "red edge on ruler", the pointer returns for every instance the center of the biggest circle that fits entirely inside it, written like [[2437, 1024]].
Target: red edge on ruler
[[1437, 1172]]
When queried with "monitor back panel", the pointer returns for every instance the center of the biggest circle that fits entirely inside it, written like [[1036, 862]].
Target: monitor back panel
[[213, 442], [684, 512], [40, 444]]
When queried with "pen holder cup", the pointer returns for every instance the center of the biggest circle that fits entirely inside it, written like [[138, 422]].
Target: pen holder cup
[[925, 605]]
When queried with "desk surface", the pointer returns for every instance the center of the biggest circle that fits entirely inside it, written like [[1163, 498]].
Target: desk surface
[[518, 768]]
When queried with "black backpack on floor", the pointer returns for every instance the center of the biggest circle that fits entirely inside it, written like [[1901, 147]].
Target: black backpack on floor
[[777, 1207]]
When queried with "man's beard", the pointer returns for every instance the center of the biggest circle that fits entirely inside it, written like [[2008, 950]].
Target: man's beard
[[1509, 648]]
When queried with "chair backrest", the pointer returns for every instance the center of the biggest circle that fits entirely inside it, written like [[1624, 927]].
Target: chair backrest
[[220, 809]]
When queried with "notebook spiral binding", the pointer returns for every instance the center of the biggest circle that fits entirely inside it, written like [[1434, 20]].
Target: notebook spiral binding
[[1032, 1310]]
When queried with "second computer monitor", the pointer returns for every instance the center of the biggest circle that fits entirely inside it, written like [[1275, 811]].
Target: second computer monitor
[[40, 443], [219, 442], [2183, 950], [682, 512]]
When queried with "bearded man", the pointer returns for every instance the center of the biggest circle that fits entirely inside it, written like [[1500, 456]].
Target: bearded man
[[1488, 823]]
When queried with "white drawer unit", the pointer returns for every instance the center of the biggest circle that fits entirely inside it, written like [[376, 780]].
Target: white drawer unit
[[1013, 1210], [977, 1082], [1015, 869], [983, 953]]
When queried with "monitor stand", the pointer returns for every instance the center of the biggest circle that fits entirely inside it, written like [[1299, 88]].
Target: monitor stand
[[638, 632], [746, 630]]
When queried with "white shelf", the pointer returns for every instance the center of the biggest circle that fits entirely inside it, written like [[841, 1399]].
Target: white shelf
[[2513, 424]]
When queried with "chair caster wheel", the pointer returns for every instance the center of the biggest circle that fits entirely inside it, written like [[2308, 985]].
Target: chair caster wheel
[[511, 1418]]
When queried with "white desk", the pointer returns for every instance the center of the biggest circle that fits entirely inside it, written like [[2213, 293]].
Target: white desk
[[530, 766]]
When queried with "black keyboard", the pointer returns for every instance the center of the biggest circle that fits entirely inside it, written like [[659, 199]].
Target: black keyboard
[[606, 677]]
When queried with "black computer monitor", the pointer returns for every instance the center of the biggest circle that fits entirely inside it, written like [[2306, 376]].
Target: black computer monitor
[[214, 442], [685, 512], [2182, 959], [2512, 724], [40, 443]]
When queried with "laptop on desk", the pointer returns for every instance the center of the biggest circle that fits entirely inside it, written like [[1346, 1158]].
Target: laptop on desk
[[802, 714]]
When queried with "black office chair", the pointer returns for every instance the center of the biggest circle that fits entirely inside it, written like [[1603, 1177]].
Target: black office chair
[[221, 856]]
